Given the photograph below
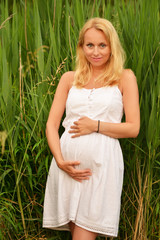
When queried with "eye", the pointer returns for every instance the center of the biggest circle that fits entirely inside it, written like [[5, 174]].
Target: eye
[[89, 45], [103, 45]]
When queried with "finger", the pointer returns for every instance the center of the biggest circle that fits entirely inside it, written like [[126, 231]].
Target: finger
[[81, 118], [72, 163], [76, 135], [76, 179], [80, 178], [73, 131], [80, 175], [75, 123], [84, 172], [79, 172], [73, 127]]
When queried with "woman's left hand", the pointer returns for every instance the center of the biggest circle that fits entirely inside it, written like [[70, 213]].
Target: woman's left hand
[[83, 126]]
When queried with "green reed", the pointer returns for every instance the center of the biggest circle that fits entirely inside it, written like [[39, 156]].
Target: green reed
[[37, 45]]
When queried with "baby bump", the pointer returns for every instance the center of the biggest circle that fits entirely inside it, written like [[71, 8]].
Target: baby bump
[[88, 149]]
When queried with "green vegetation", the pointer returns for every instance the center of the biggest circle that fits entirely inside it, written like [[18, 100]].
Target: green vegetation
[[37, 45]]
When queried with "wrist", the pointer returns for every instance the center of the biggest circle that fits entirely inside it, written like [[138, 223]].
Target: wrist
[[96, 125], [60, 163]]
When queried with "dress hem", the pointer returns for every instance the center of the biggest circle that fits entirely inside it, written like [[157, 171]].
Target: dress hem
[[63, 227]]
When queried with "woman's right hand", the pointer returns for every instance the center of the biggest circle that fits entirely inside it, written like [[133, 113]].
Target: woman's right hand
[[76, 174]]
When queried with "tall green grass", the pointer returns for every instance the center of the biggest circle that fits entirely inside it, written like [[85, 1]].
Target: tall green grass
[[37, 45]]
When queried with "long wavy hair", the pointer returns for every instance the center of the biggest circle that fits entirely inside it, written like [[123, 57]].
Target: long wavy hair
[[115, 64]]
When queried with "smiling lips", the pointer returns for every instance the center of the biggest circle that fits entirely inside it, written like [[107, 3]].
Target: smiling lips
[[96, 59]]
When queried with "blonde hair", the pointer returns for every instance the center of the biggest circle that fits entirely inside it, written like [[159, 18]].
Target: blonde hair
[[114, 65]]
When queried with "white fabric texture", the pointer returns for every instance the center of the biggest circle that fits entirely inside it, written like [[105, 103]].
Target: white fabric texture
[[93, 204]]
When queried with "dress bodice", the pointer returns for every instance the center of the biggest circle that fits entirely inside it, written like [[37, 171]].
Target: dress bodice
[[103, 103]]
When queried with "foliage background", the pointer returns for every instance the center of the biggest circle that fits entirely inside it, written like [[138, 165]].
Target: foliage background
[[37, 45]]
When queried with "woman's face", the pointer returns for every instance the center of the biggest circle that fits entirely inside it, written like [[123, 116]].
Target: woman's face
[[96, 48]]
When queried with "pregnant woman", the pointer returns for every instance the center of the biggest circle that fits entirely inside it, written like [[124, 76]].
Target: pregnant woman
[[84, 185]]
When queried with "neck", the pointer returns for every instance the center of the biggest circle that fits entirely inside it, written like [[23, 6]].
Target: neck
[[96, 72]]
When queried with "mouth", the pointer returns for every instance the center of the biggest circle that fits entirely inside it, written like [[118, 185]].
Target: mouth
[[96, 59]]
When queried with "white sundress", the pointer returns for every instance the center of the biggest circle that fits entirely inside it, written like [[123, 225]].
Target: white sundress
[[93, 204]]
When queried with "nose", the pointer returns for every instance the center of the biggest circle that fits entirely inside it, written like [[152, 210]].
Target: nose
[[95, 51]]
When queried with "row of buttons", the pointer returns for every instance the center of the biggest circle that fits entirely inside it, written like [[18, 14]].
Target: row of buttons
[[90, 98]]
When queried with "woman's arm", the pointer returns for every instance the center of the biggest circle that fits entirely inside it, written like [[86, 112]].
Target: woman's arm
[[55, 116], [52, 126], [129, 128]]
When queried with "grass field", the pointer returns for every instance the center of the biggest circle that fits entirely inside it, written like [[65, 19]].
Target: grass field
[[37, 45]]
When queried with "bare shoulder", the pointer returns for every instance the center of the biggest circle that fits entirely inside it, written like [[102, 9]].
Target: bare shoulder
[[67, 79], [128, 80], [69, 74]]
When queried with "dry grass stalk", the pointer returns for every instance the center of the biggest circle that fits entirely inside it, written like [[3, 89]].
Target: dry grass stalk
[[20, 79], [3, 136], [26, 25], [54, 14], [3, 23], [140, 222], [70, 37]]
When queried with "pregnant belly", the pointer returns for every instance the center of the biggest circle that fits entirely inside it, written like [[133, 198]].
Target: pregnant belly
[[91, 150]]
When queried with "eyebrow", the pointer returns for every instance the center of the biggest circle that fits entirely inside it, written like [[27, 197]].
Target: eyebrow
[[93, 43]]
